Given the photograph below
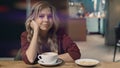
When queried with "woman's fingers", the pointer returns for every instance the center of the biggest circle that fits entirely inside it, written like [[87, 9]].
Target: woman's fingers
[[34, 25]]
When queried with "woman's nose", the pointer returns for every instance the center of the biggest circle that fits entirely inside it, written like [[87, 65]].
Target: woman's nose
[[45, 18]]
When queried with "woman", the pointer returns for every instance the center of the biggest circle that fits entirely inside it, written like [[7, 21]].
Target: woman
[[42, 35]]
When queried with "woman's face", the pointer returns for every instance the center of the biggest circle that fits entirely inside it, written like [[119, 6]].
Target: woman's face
[[45, 19]]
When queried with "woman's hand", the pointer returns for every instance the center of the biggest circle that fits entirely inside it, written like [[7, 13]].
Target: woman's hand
[[34, 25]]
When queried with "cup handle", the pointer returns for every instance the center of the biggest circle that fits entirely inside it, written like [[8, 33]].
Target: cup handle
[[39, 57]]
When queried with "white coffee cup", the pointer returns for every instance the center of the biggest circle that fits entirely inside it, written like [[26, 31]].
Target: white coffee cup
[[48, 57]]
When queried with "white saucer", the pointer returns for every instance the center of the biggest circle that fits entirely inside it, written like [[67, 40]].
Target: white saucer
[[59, 61], [87, 62]]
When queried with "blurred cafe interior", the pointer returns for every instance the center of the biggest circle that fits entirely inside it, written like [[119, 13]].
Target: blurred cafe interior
[[83, 20]]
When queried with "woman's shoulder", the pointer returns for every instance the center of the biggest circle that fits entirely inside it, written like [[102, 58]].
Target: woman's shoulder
[[61, 32]]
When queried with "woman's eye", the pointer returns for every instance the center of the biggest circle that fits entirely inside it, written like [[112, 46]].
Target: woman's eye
[[50, 16], [41, 16]]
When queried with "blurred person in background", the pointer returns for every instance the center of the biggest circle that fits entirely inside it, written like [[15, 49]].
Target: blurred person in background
[[81, 11]]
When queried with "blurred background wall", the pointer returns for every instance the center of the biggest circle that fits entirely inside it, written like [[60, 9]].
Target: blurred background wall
[[12, 21]]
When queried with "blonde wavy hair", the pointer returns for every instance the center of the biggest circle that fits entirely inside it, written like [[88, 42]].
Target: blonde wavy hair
[[36, 9]]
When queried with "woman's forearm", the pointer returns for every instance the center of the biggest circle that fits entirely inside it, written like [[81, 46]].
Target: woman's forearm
[[65, 57], [31, 52]]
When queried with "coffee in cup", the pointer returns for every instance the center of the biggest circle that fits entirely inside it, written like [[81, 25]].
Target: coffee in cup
[[48, 57]]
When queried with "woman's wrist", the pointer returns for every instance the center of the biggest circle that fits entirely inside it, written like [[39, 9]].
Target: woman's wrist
[[36, 32]]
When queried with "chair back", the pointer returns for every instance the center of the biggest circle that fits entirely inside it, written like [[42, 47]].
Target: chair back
[[117, 34]]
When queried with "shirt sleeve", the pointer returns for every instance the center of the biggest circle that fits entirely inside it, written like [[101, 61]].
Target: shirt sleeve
[[70, 47], [24, 46]]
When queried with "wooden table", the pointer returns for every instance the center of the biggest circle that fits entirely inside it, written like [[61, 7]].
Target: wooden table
[[21, 64]]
